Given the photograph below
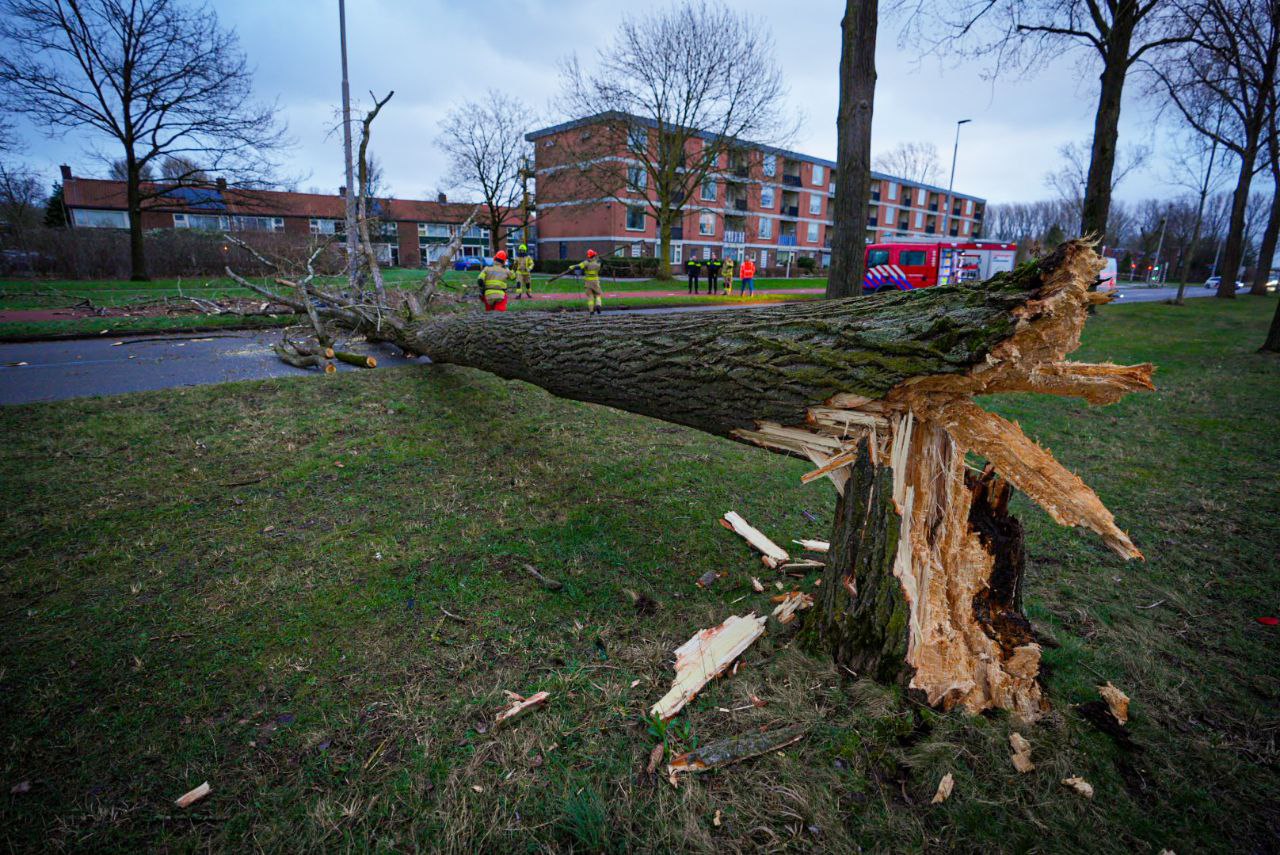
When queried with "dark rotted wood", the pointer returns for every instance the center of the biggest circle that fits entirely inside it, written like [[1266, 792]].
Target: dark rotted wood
[[998, 608], [866, 631]]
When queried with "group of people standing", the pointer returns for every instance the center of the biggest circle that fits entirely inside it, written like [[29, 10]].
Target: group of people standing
[[719, 274]]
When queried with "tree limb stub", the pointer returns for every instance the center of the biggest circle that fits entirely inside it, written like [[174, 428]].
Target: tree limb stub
[[923, 580]]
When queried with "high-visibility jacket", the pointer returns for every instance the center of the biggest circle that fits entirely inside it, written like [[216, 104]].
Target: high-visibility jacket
[[494, 280], [748, 269], [524, 264], [727, 269], [590, 269]]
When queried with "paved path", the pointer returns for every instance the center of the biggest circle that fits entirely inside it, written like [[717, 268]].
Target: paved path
[[682, 292]]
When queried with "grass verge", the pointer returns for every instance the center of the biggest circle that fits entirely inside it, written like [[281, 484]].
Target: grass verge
[[309, 593]]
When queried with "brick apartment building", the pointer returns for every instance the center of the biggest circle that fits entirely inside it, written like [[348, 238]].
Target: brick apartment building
[[409, 233], [765, 203]]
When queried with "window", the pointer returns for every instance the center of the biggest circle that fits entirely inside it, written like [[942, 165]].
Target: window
[[911, 258], [876, 257], [766, 227], [708, 193], [637, 178], [210, 222], [811, 234], [321, 226], [770, 165], [919, 219], [255, 224], [100, 219], [831, 188], [764, 258], [477, 233], [815, 203], [635, 218], [706, 252], [635, 249], [819, 174], [892, 192], [432, 230], [706, 224]]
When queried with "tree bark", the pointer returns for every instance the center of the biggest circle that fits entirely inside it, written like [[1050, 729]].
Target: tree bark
[[1106, 124], [1267, 249], [1233, 249], [133, 193], [1272, 344], [929, 563], [853, 146]]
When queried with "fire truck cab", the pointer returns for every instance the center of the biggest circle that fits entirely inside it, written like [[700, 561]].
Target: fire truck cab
[[905, 265]]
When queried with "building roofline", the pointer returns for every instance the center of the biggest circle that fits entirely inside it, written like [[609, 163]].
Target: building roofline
[[551, 130]]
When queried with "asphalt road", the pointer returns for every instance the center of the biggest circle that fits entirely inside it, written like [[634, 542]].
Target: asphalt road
[[72, 368]]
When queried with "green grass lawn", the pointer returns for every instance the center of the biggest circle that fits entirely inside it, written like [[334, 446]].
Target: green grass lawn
[[193, 589]]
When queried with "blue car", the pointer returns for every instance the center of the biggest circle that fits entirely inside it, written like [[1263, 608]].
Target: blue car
[[471, 262]]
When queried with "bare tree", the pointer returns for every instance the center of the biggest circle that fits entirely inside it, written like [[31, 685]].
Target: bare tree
[[487, 149], [1223, 83], [118, 170], [1267, 247], [914, 161], [160, 77], [1071, 179], [1025, 35], [178, 168], [21, 195], [853, 147], [1195, 160], [676, 92]]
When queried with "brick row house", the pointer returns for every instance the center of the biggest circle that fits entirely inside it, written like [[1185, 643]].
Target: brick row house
[[766, 203], [408, 233]]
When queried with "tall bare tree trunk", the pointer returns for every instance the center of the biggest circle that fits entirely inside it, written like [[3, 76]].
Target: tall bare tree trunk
[[1272, 344], [1267, 249], [853, 132], [1233, 249], [133, 198], [664, 248], [1106, 124]]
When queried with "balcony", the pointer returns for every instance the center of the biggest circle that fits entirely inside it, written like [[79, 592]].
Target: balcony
[[739, 172], [786, 240], [792, 211], [735, 237], [872, 222], [740, 204], [792, 181], [933, 207]]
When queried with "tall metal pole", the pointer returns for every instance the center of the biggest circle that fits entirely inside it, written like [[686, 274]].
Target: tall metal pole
[[346, 148], [946, 216], [1155, 273]]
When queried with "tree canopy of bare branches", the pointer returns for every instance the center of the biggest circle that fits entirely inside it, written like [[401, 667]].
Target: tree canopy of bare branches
[[486, 148], [21, 194], [914, 161], [1223, 82], [162, 78], [1071, 179], [1025, 35], [677, 91]]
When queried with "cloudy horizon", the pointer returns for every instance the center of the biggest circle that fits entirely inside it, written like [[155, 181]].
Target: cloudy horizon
[[437, 54]]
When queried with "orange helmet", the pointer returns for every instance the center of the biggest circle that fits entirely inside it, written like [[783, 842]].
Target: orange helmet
[[591, 253], [500, 255]]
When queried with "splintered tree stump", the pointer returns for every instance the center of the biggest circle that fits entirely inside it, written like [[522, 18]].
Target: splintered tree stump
[[924, 580]]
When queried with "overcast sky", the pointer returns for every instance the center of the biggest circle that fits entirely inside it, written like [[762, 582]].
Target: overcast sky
[[435, 53]]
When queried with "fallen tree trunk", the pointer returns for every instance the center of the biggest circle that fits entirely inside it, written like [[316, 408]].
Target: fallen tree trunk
[[923, 584]]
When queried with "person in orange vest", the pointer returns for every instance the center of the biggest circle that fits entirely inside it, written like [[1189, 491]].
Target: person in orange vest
[[591, 281], [494, 281], [748, 276]]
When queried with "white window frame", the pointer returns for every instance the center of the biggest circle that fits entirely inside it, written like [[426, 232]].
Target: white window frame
[[435, 230], [770, 165], [627, 222], [706, 223], [819, 174], [891, 192], [811, 232], [706, 252], [919, 219], [768, 198], [765, 229], [638, 138], [815, 204], [764, 258], [88, 218], [708, 183], [637, 179], [324, 226]]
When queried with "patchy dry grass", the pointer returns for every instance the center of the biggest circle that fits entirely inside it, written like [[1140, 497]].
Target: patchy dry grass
[[290, 639]]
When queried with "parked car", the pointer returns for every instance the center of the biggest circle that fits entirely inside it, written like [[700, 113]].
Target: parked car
[[1213, 282], [471, 262]]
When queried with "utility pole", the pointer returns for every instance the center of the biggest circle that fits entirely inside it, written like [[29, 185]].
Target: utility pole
[[1157, 271], [951, 199], [346, 148]]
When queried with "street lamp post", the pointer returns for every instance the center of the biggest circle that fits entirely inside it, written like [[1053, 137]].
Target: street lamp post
[[951, 200], [346, 150]]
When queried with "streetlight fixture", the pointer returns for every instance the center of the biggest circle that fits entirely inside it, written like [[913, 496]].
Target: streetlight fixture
[[951, 199]]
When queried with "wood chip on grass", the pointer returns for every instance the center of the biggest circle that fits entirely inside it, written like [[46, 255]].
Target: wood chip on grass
[[725, 752], [789, 604], [704, 657], [1117, 702], [771, 553], [190, 798], [519, 706], [1021, 753]]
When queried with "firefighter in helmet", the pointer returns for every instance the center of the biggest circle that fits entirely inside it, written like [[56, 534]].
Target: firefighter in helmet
[[494, 281], [591, 281], [524, 272]]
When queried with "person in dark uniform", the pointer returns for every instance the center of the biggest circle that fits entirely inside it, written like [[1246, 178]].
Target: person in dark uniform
[[694, 269], [712, 266]]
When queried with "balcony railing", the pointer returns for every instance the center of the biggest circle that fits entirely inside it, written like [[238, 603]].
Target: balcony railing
[[740, 172], [933, 207], [791, 211], [792, 181], [786, 240], [735, 237]]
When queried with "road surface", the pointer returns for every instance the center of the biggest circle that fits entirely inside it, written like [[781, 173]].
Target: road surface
[[71, 368]]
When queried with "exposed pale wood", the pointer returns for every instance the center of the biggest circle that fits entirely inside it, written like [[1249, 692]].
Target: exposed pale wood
[[770, 551], [1117, 702], [357, 359], [520, 705], [1080, 785], [813, 545], [704, 657], [1021, 756], [190, 798], [549, 584], [792, 602], [945, 786]]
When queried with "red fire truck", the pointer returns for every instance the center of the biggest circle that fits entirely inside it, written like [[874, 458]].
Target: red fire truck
[[905, 265]]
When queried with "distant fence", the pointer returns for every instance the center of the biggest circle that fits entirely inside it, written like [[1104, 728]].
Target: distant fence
[[104, 254]]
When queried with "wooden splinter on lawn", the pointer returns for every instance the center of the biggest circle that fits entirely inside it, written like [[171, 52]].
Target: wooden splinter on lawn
[[771, 553], [923, 583], [704, 657]]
